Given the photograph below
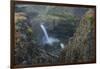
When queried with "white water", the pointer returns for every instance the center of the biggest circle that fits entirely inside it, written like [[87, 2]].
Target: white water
[[45, 32], [48, 39], [62, 45]]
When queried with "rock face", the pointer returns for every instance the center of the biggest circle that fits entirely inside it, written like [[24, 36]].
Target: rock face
[[81, 47], [69, 25]]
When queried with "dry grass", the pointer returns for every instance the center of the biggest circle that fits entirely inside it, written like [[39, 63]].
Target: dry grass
[[78, 50], [20, 17]]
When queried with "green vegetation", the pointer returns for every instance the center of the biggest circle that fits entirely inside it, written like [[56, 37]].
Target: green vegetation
[[75, 31]]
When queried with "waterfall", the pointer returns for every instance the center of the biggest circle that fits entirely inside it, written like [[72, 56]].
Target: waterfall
[[47, 39], [45, 32]]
